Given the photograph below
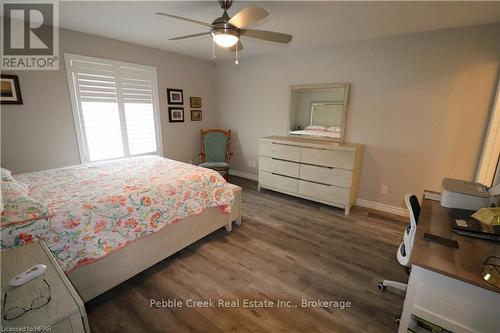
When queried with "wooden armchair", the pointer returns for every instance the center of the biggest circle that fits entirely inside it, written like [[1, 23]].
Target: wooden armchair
[[216, 150]]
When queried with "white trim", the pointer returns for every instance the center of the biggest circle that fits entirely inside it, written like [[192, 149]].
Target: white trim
[[243, 174], [382, 207], [80, 135], [156, 106], [491, 147]]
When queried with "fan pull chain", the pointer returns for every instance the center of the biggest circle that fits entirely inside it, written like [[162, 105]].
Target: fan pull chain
[[236, 61], [213, 52]]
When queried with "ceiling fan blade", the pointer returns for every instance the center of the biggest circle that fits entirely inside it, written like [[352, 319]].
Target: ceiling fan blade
[[185, 19], [190, 36], [247, 16], [240, 47], [271, 36]]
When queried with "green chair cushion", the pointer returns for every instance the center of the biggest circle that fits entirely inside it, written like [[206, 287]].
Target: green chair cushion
[[212, 165]]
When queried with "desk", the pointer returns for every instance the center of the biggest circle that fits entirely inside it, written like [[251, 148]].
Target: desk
[[445, 286]]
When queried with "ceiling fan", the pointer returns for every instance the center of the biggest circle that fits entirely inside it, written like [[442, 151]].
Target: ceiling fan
[[226, 31]]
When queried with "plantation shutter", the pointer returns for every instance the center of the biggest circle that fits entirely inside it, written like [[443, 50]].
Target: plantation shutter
[[115, 108]]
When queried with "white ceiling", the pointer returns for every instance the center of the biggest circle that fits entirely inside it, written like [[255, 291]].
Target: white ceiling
[[312, 24]]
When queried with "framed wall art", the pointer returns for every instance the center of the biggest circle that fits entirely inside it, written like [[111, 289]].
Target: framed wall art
[[196, 115], [195, 102], [175, 96], [175, 114], [10, 92]]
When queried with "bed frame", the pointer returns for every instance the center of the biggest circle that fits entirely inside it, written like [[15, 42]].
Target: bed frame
[[94, 279]]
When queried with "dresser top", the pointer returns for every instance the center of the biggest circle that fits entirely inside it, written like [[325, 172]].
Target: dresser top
[[62, 303], [313, 143]]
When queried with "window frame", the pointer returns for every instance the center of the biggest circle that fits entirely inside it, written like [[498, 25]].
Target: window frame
[[78, 115]]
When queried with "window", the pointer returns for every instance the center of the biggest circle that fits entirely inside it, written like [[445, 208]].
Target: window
[[115, 106]]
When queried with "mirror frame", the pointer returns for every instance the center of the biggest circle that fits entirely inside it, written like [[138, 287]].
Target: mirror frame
[[321, 86]]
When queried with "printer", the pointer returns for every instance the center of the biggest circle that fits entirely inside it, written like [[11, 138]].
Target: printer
[[462, 194]]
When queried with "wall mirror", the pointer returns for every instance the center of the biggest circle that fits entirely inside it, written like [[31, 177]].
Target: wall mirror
[[319, 111]]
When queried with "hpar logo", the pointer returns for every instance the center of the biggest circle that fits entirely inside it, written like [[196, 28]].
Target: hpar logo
[[30, 35]]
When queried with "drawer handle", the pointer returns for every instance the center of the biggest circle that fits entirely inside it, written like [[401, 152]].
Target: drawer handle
[[312, 181], [319, 166], [280, 159], [278, 174]]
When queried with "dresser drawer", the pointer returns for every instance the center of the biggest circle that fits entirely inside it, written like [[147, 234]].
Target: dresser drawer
[[278, 166], [337, 177], [333, 158], [276, 150], [285, 184], [327, 193]]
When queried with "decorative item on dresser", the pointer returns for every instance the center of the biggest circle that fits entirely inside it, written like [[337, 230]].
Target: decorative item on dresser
[[64, 311], [323, 171]]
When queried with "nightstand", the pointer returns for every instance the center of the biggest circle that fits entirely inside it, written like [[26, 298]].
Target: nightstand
[[64, 313]]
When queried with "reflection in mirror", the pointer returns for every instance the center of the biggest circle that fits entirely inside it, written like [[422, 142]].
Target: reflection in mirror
[[319, 111]]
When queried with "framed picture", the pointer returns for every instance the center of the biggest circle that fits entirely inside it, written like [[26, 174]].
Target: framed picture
[[195, 115], [195, 102], [175, 115], [10, 92], [174, 96]]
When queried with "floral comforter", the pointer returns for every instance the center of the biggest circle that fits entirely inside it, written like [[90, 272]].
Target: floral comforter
[[98, 208]]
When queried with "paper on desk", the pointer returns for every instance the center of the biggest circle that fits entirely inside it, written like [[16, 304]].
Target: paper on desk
[[488, 216]]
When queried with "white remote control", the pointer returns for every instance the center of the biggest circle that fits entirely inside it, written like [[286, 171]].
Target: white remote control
[[27, 275]]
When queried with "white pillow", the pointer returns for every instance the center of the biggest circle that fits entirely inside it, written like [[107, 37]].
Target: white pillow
[[333, 129], [316, 128]]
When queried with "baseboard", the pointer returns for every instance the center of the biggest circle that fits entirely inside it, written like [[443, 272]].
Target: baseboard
[[244, 174], [360, 202], [382, 207]]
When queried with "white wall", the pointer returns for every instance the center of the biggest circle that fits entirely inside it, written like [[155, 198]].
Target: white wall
[[40, 134], [419, 103]]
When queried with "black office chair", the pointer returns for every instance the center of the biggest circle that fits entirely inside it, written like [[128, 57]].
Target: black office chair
[[404, 250]]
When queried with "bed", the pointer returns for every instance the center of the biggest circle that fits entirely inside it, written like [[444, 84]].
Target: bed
[[106, 222]]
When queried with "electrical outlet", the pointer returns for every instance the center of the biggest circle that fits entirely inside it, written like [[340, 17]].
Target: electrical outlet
[[384, 189]]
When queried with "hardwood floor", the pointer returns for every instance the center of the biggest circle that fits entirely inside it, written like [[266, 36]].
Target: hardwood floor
[[286, 249]]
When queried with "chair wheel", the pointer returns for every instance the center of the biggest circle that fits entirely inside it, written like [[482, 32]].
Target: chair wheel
[[381, 286]]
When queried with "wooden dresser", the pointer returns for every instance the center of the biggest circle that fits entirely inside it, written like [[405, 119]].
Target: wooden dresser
[[323, 171]]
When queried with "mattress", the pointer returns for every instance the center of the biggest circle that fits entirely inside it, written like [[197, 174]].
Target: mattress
[[99, 208]]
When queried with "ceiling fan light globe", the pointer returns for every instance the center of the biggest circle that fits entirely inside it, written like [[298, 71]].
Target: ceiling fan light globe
[[225, 40]]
